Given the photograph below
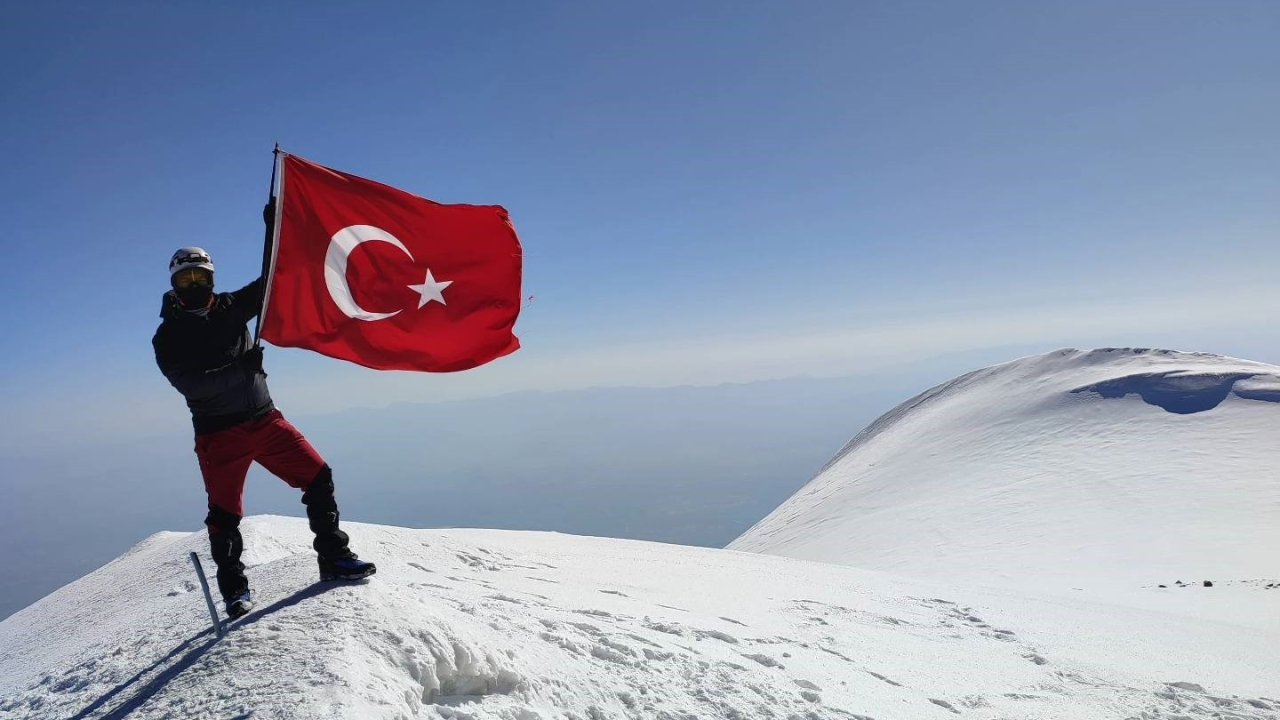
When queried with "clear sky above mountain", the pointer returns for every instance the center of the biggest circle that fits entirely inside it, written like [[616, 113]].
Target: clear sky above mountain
[[711, 192]]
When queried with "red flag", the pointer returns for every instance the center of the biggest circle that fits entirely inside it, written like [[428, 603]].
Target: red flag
[[371, 274]]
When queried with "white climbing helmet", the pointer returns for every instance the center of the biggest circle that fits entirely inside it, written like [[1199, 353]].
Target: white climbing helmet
[[189, 258]]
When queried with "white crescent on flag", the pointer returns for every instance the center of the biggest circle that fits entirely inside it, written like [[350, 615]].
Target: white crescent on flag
[[341, 246]]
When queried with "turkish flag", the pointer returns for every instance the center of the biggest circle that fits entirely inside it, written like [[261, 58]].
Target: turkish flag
[[374, 275]]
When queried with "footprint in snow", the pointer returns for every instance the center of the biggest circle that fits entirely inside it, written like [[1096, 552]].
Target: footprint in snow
[[476, 562], [807, 685], [182, 588], [826, 606], [612, 651], [562, 642], [662, 627], [433, 586], [882, 678], [1188, 699], [587, 628], [643, 640], [764, 660], [715, 635], [595, 613], [840, 655], [944, 704]]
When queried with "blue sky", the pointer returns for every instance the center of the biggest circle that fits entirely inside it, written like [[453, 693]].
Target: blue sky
[[706, 192]]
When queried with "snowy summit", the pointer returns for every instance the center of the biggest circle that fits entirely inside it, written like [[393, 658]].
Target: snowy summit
[[1101, 471], [480, 624]]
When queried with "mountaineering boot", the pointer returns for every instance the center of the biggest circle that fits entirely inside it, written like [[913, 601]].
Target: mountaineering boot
[[225, 545], [240, 605], [345, 568], [337, 562]]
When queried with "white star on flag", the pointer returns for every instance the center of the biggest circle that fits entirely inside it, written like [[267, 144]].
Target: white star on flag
[[431, 289]]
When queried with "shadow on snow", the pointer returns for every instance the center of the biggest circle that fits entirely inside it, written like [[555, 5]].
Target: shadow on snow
[[169, 668], [1182, 394]]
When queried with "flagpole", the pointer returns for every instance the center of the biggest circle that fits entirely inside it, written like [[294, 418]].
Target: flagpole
[[272, 239]]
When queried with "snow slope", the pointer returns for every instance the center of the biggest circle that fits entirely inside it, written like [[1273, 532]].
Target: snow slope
[[1109, 472], [471, 624]]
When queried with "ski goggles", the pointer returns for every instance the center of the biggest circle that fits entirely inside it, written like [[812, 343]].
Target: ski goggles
[[195, 277]]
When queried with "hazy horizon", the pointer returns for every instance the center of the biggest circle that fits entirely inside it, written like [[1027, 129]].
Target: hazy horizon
[[606, 461]]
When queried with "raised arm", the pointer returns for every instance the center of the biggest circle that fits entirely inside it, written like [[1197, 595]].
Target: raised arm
[[246, 302]]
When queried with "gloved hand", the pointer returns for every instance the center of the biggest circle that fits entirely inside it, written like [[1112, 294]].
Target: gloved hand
[[251, 361]]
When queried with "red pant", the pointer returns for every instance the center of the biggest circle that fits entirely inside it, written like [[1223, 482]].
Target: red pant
[[270, 440]]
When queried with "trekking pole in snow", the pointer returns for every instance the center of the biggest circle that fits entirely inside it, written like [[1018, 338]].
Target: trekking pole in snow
[[213, 612]]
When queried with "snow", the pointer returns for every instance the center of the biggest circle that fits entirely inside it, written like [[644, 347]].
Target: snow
[[1101, 474], [1027, 513], [523, 626]]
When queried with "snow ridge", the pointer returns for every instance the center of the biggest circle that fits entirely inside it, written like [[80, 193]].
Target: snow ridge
[[472, 624]]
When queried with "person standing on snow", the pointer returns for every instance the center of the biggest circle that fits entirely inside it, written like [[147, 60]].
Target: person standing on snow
[[204, 348]]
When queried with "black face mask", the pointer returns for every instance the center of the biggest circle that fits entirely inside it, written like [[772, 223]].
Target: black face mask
[[195, 297]]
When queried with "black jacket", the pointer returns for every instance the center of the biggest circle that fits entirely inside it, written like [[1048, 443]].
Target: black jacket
[[203, 357]]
